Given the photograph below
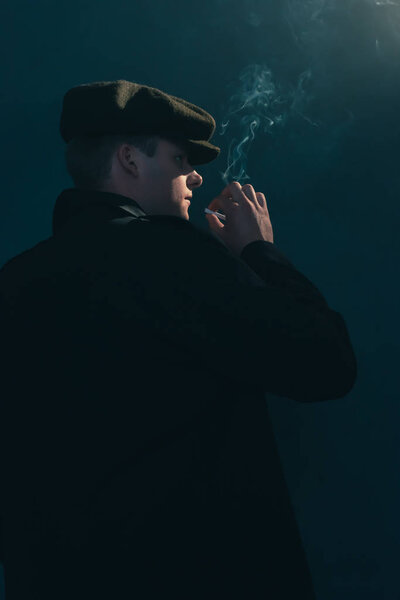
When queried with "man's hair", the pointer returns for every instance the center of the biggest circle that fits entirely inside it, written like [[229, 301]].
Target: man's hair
[[89, 158]]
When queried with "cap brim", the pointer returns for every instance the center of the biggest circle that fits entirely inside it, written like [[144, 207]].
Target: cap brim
[[201, 152]]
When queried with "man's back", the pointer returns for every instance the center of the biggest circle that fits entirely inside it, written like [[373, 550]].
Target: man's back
[[138, 457]]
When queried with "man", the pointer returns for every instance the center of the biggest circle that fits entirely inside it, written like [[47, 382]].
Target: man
[[138, 457]]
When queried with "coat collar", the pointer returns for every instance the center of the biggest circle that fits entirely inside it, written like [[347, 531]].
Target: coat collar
[[72, 201]]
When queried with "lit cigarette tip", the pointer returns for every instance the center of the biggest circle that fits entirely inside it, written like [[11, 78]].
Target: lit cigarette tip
[[213, 212]]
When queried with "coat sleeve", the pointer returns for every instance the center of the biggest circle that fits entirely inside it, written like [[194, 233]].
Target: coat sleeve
[[255, 319]]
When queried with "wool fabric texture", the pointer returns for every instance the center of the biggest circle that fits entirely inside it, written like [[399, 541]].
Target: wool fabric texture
[[118, 107]]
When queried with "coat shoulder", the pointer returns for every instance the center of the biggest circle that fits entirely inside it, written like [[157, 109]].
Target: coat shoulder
[[165, 229]]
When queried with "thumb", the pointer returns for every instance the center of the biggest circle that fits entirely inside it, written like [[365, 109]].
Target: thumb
[[214, 223]]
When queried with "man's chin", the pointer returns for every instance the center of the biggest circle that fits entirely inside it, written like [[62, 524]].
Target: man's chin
[[183, 212]]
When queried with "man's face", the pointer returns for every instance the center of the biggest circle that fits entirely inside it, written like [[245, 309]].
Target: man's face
[[163, 183]]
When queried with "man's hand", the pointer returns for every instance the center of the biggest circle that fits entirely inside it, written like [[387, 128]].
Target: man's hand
[[247, 217]]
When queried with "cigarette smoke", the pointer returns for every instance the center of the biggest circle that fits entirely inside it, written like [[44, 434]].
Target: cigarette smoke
[[264, 103], [259, 104]]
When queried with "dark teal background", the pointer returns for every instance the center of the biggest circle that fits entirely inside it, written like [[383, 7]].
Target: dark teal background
[[331, 177]]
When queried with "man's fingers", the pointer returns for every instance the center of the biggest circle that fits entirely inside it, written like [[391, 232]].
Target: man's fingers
[[250, 192], [261, 199], [214, 223], [232, 192], [232, 188], [225, 205]]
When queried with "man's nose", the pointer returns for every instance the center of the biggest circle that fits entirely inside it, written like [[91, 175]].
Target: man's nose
[[194, 180]]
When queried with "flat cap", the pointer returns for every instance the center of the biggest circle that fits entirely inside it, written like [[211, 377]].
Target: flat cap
[[118, 107]]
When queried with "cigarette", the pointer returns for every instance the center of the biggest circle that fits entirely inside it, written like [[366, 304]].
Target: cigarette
[[213, 212]]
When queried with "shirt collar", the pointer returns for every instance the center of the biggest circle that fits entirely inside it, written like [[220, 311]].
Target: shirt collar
[[72, 201]]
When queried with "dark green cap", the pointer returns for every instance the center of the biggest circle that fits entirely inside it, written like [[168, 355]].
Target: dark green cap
[[118, 107]]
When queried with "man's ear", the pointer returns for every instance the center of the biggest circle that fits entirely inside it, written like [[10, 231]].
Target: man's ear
[[126, 155]]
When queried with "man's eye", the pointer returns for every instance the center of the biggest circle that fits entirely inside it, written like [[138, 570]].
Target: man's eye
[[179, 156]]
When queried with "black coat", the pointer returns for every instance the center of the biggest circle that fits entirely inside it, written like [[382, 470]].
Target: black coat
[[138, 459]]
